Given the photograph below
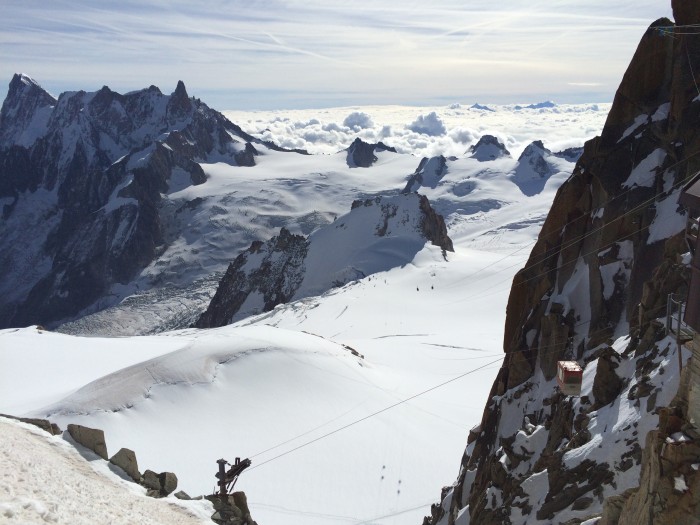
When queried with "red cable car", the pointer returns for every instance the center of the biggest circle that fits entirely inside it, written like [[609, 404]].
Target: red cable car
[[569, 377]]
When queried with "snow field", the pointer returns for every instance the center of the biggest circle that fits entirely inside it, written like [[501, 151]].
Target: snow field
[[264, 387]]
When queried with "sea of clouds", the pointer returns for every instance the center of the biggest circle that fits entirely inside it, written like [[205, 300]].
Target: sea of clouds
[[427, 131]]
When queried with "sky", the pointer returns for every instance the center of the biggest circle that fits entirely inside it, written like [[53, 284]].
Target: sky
[[289, 54]]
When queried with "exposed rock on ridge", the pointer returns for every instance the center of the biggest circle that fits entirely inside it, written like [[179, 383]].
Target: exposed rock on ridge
[[488, 148], [362, 154], [376, 235], [272, 271], [429, 173]]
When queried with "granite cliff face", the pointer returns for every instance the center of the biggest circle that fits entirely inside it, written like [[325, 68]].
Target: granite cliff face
[[376, 235], [608, 254], [81, 183]]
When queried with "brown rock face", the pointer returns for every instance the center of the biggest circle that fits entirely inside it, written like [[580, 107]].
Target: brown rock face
[[669, 485], [601, 230], [607, 256], [686, 12]]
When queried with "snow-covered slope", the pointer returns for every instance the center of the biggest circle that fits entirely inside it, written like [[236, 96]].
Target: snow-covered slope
[[45, 480], [376, 235], [214, 222], [183, 399], [243, 390]]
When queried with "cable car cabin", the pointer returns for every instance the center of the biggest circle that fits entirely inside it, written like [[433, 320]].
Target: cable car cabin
[[569, 377]]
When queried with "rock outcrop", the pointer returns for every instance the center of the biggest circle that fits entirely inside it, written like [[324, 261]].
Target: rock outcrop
[[606, 258], [271, 272], [428, 173], [669, 484], [376, 235], [158, 485], [362, 155], [570, 154], [231, 510], [125, 459], [43, 424]]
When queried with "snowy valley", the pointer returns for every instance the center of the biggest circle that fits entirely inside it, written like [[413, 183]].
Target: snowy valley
[[417, 314], [330, 294]]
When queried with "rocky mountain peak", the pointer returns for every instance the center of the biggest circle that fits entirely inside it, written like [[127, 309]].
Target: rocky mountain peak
[[488, 148], [535, 148], [179, 104], [429, 173], [24, 112], [103, 162], [362, 154], [534, 168]]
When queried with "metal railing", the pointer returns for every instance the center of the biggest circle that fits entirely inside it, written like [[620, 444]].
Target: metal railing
[[675, 312]]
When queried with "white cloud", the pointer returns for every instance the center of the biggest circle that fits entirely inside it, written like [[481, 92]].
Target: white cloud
[[429, 124], [463, 135], [324, 131], [358, 120]]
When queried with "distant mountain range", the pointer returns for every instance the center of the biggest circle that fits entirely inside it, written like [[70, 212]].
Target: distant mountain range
[[132, 201]]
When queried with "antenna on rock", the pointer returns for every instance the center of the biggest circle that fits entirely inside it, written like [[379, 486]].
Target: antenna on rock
[[227, 480]]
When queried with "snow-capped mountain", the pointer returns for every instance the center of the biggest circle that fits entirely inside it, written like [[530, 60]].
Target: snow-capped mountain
[[417, 319], [137, 203], [86, 174], [488, 148], [376, 235], [593, 290], [535, 165]]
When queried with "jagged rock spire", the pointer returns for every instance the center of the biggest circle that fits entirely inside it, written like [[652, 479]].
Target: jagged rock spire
[[179, 104]]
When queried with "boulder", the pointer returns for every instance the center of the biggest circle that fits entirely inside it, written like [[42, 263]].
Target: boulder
[[151, 480], [168, 483], [607, 385], [159, 485], [125, 459], [90, 438]]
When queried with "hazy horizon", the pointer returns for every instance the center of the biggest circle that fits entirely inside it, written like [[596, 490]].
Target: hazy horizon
[[285, 54]]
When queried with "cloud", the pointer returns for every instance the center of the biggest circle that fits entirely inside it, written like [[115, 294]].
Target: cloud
[[358, 120], [429, 124], [463, 135], [326, 131]]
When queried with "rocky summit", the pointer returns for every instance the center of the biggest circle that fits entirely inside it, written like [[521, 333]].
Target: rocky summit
[[488, 148], [362, 155], [611, 250]]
